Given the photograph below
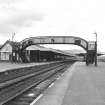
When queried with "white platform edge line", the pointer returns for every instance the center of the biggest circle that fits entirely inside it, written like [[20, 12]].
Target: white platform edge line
[[36, 99]]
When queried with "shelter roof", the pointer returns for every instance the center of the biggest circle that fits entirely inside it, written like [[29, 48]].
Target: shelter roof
[[13, 44], [37, 47]]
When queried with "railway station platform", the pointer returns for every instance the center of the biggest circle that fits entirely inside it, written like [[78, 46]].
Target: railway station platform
[[4, 66], [79, 85]]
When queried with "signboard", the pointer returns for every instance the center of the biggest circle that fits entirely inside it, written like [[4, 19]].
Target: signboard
[[36, 40], [78, 42], [91, 45], [69, 40]]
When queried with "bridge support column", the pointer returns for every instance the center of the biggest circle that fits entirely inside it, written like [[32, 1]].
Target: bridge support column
[[90, 57]]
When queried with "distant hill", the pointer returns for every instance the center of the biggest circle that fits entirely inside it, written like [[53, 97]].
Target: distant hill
[[101, 58], [75, 51]]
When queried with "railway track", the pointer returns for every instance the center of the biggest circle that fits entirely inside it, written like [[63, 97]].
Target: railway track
[[23, 89], [11, 76]]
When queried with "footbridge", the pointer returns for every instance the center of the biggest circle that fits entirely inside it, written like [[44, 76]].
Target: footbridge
[[89, 47]]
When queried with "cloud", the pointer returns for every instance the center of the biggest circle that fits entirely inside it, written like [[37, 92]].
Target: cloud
[[22, 19], [12, 22], [13, 17], [8, 1]]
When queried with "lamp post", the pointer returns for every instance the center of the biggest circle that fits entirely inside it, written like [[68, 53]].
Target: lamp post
[[96, 49]]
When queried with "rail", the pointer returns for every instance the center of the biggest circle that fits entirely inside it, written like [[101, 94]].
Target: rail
[[15, 89]]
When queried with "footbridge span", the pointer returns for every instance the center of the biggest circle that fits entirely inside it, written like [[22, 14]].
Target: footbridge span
[[89, 47]]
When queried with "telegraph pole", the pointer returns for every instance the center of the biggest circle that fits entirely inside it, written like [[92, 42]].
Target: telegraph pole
[[96, 50]]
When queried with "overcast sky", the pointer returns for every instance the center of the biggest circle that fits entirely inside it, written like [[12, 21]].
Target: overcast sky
[[28, 18]]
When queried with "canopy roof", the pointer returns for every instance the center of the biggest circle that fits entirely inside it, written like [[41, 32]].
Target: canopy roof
[[36, 47]]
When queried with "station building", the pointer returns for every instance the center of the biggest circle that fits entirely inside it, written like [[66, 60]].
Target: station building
[[36, 53], [6, 51]]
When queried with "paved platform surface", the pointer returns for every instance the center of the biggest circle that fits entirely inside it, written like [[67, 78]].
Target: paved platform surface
[[80, 85], [8, 65]]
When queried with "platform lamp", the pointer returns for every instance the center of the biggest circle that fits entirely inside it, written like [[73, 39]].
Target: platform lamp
[[13, 35], [96, 49]]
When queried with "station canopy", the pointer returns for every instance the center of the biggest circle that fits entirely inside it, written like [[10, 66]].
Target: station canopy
[[37, 47], [41, 48]]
